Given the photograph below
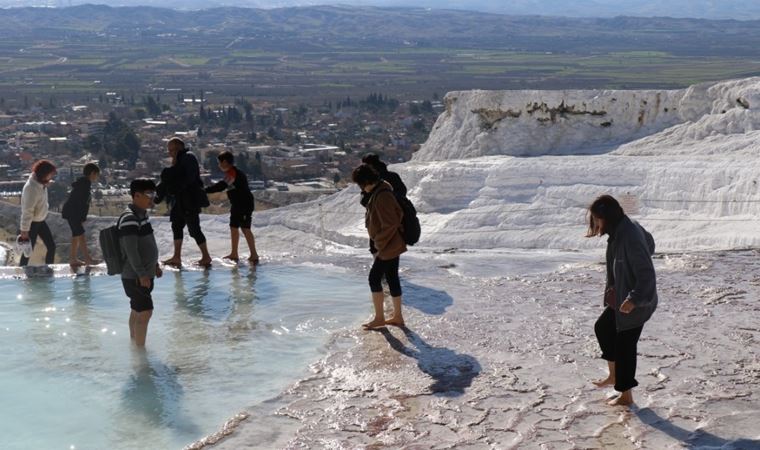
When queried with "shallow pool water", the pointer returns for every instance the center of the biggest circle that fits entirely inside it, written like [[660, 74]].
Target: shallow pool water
[[218, 341]]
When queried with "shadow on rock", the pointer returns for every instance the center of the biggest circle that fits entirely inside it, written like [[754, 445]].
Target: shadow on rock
[[452, 372], [428, 300], [696, 438]]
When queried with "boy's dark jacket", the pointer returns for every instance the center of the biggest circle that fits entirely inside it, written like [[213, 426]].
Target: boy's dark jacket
[[77, 206], [236, 184]]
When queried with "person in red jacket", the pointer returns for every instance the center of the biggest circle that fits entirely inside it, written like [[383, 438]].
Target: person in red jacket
[[383, 221], [235, 183]]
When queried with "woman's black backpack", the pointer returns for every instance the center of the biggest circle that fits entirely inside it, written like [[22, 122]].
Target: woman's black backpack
[[410, 222]]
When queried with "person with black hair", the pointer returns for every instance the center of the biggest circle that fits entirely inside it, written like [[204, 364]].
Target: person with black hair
[[383, 221], [138, 244], [186, 189], [235, 183], [34, 210], [399, 188], [75, 212], [630, 296]]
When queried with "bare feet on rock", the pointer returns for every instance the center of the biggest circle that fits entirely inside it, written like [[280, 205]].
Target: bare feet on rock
[[605, 382], [625, 399], [396, 322], [374, 324]]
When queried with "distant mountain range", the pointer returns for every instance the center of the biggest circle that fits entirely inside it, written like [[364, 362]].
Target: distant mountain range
[[328, 27], [704, 9]]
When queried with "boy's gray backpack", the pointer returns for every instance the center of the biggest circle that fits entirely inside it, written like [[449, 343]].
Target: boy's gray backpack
[[111, 248]]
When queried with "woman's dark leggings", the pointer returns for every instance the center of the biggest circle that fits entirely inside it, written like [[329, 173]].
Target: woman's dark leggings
[[42, 230], [388, 268], [180, 218], [618, 347]]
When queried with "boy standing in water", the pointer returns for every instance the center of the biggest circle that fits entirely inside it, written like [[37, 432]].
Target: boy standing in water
[[141, 265], [241, 200], [75, 212]]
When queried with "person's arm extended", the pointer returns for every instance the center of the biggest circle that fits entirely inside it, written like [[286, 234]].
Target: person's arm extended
[[219, 186]]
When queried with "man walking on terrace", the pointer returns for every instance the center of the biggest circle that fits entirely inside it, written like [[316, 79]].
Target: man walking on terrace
[[186, 188]]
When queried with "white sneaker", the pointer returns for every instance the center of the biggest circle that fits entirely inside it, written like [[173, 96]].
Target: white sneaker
[[24, 247]]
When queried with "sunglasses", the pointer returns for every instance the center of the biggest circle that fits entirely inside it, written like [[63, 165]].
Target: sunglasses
[[150, 195]]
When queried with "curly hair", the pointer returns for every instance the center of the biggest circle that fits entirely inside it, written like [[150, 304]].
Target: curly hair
[[43, 168]]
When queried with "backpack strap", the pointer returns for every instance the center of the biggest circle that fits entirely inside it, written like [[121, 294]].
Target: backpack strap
[[125, 214], [121, 217]]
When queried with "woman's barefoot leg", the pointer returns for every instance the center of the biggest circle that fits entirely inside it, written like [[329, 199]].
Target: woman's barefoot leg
[[379, 320], [610, 380], [625, 399], [398, 318]]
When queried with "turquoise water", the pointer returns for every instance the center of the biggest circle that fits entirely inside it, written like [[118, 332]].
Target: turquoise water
[[219, 341]]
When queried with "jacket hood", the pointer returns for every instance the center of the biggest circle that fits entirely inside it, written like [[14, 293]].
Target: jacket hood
[[626, 225]]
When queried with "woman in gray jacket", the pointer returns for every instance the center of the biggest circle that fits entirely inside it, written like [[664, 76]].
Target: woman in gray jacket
[[630, 295]]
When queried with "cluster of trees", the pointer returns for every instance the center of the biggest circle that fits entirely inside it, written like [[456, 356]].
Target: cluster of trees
[[373, 102], [118, 142], [223, 117], [426, 107]]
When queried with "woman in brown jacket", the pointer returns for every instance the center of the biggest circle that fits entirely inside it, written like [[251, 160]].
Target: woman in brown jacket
[[383, 221]]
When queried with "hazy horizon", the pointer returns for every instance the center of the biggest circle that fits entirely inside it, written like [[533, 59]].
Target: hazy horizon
[[701, 9]]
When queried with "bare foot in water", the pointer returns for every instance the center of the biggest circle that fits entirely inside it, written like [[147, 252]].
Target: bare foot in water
[[75, 263], [374, 324], [396, 322], [609, 381], [176, 262], [625, 399], [231, 257], [204, 262], [253, 260]]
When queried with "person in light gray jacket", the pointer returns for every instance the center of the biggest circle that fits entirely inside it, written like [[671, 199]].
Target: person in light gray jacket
[[34, 210], [630, 296]]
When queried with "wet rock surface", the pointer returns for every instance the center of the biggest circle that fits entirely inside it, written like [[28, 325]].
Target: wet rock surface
[[507, 362]]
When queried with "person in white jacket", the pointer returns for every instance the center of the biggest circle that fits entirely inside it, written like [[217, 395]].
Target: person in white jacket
[[34, 209]]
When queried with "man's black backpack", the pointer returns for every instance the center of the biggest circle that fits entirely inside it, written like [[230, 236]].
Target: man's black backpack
[[410, 222]]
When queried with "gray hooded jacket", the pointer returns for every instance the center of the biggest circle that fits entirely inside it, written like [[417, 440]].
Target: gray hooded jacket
[[631, 253]]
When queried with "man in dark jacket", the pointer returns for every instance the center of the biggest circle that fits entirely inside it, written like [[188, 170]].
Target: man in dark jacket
[[186, 188], [75, 211]]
